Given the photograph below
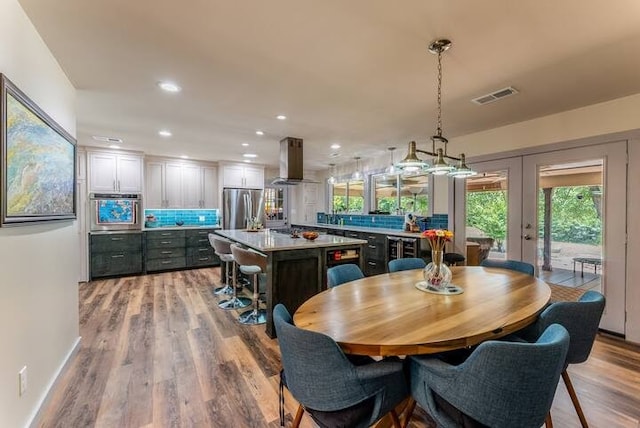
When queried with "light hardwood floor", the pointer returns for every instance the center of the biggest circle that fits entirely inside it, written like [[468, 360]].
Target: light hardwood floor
[[157, 352]]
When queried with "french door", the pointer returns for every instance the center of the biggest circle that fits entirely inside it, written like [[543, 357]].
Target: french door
[[597, 175], [511, 205]]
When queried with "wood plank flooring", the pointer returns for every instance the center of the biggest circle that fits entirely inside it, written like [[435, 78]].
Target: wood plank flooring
[[156, 351]]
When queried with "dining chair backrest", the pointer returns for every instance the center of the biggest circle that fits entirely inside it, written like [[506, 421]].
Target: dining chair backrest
[[321, 377], [516, 265], [340, 274], [580, 318], [501, 384], [406, 264]]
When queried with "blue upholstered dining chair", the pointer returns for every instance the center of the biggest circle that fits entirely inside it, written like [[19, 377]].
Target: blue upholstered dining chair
[[581, 319], [500, 385], [333, 390], [343, 273], [510, 264], [406, 264]]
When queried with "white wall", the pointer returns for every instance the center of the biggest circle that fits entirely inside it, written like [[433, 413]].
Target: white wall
[[39, 263]]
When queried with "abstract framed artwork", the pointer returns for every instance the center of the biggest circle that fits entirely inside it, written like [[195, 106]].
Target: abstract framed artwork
[[38, 162]]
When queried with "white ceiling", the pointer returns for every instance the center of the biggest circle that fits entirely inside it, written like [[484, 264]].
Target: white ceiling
[[351, 72]]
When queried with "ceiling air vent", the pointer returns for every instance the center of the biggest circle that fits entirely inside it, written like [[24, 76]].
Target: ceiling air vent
[[107, 139], [495, 96]]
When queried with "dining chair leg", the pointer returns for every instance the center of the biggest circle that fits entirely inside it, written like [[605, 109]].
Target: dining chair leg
[[299, 413], [574, 398], [409, 412], [548, 423], [394, 419]]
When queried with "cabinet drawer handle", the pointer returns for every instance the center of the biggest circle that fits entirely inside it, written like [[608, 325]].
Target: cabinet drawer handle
[[165, 242], [167, 252], [372, 247], [165, 234], [371, 263], [117, 239], [203, 249], [203, 259], [166, 262], [203, 240], [203, 233], [117, 256]]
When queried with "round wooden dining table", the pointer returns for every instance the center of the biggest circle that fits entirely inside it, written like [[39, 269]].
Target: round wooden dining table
[[386, 314]]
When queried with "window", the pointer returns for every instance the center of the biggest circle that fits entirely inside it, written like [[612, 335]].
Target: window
[[393, 192], [348, 197]]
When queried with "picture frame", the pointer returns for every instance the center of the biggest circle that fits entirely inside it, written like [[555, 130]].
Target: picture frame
[[38, 171]]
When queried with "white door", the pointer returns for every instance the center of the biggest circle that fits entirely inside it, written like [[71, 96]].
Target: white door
[[191, 187], [129, 174], [102, 172], [173, 186], [209, 187], [543, 174], [154, 186]]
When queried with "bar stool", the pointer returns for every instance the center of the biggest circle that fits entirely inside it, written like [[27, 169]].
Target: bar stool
[[225, 258], [252, 263], [222, 248]]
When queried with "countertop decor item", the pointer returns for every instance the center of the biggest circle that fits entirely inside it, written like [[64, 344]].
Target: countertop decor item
[[310, 235], [437, 275]]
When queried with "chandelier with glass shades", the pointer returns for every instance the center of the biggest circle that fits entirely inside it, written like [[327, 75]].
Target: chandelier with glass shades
[[440, 166]]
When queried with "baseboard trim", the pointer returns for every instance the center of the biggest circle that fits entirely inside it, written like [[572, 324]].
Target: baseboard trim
[[46, 396]]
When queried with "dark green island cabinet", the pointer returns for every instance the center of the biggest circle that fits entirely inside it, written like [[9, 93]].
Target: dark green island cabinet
[[115, 254], [168, 249]]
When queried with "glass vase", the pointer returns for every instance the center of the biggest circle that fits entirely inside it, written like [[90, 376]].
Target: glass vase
[[437, 274]]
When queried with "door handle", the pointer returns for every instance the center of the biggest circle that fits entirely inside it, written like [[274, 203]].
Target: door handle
[[527, 237]]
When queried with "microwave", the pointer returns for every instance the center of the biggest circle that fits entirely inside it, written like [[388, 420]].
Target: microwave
[[115, 211]]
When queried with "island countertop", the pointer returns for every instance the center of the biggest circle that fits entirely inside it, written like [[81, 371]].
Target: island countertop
[[267, 241]]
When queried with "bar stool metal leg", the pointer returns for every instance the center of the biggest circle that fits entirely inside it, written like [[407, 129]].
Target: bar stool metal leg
[[256, 315], [226, 288], [234, 302]]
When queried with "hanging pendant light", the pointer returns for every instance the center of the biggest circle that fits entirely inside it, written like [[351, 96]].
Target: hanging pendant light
[[391, 169], [462, 170], [357, 174], [438, 143], [332, 177]]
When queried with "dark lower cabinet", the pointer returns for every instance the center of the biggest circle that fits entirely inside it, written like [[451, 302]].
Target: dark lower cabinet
[[375, 253], [178, 249], [115, 254]]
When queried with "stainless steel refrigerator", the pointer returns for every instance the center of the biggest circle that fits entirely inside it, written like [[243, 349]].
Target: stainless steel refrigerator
[[239, 206]]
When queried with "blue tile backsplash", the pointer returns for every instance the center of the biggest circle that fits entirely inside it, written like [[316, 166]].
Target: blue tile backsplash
[[437, 221], [193, 217]]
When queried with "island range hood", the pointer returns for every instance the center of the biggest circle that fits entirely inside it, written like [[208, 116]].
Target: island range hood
[[291, 162]]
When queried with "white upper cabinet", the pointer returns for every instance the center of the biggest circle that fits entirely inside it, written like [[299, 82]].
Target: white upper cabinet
[[179, 185], [115, 172], [242, 176]]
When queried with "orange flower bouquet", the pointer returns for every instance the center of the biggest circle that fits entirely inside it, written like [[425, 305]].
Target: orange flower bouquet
[[438, 238], [437, 275]]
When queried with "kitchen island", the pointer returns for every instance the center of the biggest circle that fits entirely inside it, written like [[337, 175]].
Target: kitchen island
[[296, 267]]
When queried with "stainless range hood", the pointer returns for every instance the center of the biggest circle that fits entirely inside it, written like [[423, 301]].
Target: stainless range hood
[[291, 162]]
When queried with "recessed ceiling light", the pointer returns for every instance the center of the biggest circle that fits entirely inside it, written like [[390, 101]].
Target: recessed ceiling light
[[114, 146], [245, 144], [335, 146], [250, 155], [169, 86], [281, 117], [165, 133], [184, 157], [259, 133]]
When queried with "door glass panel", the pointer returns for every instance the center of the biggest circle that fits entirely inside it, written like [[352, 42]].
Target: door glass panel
[[570, 223], [487, 213]]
